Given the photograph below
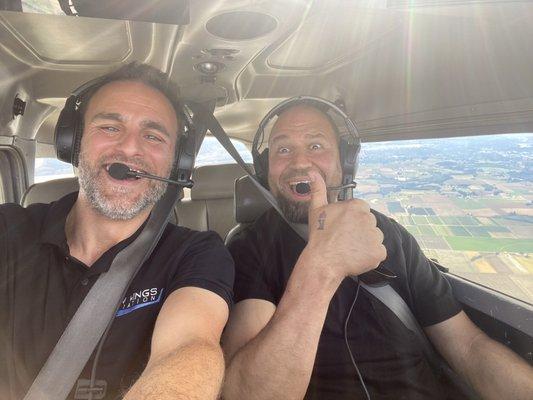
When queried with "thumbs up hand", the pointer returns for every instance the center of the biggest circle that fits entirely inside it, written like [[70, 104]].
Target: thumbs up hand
[[343, 236]]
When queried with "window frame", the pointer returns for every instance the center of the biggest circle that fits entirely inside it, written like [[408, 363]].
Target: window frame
[[13, 176]]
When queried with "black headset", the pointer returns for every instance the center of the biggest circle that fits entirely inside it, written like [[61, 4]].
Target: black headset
[[349, 140], [69, 130]]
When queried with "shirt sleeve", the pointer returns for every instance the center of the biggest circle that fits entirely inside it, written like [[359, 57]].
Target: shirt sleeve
[[206, 264], [250, 271], [432, 295]]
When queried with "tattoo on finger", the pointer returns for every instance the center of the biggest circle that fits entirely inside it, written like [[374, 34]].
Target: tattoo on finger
[[321, 221]]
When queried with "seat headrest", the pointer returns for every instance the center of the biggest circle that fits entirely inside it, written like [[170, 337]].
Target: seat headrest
[[46, 192], [249, 202], [215, 181]]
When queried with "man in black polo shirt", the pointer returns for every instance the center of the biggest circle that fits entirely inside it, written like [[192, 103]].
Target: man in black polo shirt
[[286, 334], [164, 341]]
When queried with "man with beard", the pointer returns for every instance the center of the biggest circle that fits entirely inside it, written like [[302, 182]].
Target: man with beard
[[298, 311], [165, 337]]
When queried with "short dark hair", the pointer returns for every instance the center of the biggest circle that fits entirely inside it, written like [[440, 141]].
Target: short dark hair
[[138, 72]]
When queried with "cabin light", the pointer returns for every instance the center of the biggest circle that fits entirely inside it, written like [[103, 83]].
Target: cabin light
[[209, 67]]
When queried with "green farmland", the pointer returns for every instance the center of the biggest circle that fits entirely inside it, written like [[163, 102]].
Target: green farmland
[[490, 244]]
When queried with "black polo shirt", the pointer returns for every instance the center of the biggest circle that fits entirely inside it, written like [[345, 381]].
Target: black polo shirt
[[388, 355], [41, 287]]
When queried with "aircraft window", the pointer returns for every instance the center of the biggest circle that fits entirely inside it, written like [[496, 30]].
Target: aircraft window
[[42, 6], [468, 201], [51, 168], [212, 153]]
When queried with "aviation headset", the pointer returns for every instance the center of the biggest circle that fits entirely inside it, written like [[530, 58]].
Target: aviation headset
[[349, 140], [69, 131]]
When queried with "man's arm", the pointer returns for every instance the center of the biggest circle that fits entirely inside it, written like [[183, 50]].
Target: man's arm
[[186, 361], [494, 371], [272, 350]]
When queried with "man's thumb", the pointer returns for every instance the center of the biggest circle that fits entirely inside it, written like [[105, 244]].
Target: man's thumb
[[319, 193]]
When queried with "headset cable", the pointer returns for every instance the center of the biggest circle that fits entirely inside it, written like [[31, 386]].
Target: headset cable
[[348, 344]]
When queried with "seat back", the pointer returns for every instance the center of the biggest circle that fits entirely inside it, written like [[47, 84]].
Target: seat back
[[46, 192], [249, 205], [211, 204]]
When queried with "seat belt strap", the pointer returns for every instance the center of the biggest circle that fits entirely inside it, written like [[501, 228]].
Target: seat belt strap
[[395, 303], [97, 311]]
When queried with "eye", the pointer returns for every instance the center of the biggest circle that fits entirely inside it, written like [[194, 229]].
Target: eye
[[283, 150], [109, 129], [153, 138], [315, 146]]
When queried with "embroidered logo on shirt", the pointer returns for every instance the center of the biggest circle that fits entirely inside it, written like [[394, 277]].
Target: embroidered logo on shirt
[[140, 299]]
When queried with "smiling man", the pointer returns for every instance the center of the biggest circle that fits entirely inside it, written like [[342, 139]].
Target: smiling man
[[164, 341], [299, 317]]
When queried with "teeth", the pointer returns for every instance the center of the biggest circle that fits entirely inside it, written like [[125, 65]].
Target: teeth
[[131, 168], [293, 184], [297, 182]]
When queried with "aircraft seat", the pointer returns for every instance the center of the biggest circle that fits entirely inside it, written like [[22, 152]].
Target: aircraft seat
[[46, 192], [249, 205], [211, 204]]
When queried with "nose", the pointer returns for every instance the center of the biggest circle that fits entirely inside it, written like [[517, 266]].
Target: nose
[[130, 143], [300, 159]]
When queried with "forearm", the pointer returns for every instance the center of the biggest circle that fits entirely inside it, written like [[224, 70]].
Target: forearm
[[278, 362], [496, 372], [193, 371]]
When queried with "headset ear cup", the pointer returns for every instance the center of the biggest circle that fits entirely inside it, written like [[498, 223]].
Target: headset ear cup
[[186, 152], [65, 131], [349, 157], [261, 167]]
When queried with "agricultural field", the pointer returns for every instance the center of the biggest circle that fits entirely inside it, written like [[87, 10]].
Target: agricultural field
[[477, 223]]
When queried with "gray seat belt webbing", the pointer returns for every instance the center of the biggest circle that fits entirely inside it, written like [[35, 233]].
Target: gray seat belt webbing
[[96, 312], [385, 294], [399, 307], [394, 302]]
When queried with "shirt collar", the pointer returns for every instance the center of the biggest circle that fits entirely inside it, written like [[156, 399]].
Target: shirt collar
[[53, 232]]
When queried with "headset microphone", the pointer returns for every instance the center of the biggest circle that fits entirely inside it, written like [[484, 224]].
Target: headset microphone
[[304, 187], [122, 171]]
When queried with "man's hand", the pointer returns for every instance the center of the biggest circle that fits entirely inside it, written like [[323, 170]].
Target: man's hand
[[343, 236]]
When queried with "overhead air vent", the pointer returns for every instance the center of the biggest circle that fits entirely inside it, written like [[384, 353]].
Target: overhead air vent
[[241, 25]]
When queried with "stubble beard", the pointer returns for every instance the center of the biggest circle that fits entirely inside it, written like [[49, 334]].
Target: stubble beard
[[295, 211], [117, 205]]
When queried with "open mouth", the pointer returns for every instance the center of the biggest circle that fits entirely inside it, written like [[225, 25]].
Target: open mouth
[[300, 187]]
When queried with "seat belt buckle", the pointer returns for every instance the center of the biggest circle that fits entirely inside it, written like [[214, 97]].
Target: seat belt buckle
[[84, 389]]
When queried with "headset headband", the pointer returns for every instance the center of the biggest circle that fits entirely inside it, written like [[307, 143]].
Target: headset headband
[[316, 101]]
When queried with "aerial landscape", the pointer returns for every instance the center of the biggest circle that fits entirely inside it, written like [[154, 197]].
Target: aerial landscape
[[468, 201]]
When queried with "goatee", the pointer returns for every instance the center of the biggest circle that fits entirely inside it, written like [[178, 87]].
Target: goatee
[[294, 211]]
